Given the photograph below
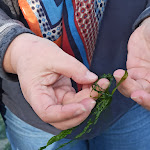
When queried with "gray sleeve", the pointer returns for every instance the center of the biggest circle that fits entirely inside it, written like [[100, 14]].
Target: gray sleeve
[[9, 29], [145, 14]]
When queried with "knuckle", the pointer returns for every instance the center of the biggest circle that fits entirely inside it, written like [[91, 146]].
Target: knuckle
[[44, 117], [61, 127]]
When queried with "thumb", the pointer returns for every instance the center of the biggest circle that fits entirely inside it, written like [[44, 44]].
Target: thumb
[[128, 86], [46, 56], [72, 68]]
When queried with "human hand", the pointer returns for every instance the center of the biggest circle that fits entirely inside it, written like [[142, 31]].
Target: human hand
[[44, 73], [137, 85]]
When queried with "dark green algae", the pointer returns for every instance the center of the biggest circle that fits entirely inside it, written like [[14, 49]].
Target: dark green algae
[[104, 98]]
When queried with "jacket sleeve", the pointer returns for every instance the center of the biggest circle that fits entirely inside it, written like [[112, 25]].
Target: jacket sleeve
[[145, 14], [9, 29]]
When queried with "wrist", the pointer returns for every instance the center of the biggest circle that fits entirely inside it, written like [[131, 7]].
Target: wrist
[[7, 61], [16, 50]]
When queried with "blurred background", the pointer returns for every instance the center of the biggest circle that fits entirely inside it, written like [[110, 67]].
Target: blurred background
[[4, 144]]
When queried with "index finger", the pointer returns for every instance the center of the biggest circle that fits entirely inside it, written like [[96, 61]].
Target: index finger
[[86, 92]]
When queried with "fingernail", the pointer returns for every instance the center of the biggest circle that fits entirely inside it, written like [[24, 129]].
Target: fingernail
[[91, 75], [117, 76], [92, 104], [137, 99], [80, 111]]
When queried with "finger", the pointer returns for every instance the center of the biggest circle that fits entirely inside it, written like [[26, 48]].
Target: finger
[[67, 124], [62, 81], [71, 97], [60, 93], [49, 112], [128, 86], [86, 86], [142, 98], [61, 87], [73, 121], [103, 84], [72, 68]]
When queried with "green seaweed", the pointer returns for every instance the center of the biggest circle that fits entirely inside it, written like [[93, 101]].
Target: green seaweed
[[104, 98]]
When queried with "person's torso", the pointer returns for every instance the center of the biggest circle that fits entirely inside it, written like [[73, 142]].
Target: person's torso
[[110, 54]]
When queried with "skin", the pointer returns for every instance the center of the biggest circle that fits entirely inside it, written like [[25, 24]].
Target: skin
[[44, 73], [137, 85]]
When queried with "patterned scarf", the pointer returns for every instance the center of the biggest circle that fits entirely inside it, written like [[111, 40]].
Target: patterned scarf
[[71, 24]]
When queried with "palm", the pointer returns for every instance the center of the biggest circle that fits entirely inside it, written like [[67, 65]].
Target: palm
[[62, 87], [63, 92], [55, 101], [137, 85], [138, 62], [41, 68]]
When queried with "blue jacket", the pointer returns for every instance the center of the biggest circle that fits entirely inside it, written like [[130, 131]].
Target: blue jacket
[[119, 21]]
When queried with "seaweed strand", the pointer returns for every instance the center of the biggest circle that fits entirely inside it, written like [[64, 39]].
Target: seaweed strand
[[104, 98]]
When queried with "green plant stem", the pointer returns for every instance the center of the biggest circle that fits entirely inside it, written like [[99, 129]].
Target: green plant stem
[[103, 100], [122, 79]]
